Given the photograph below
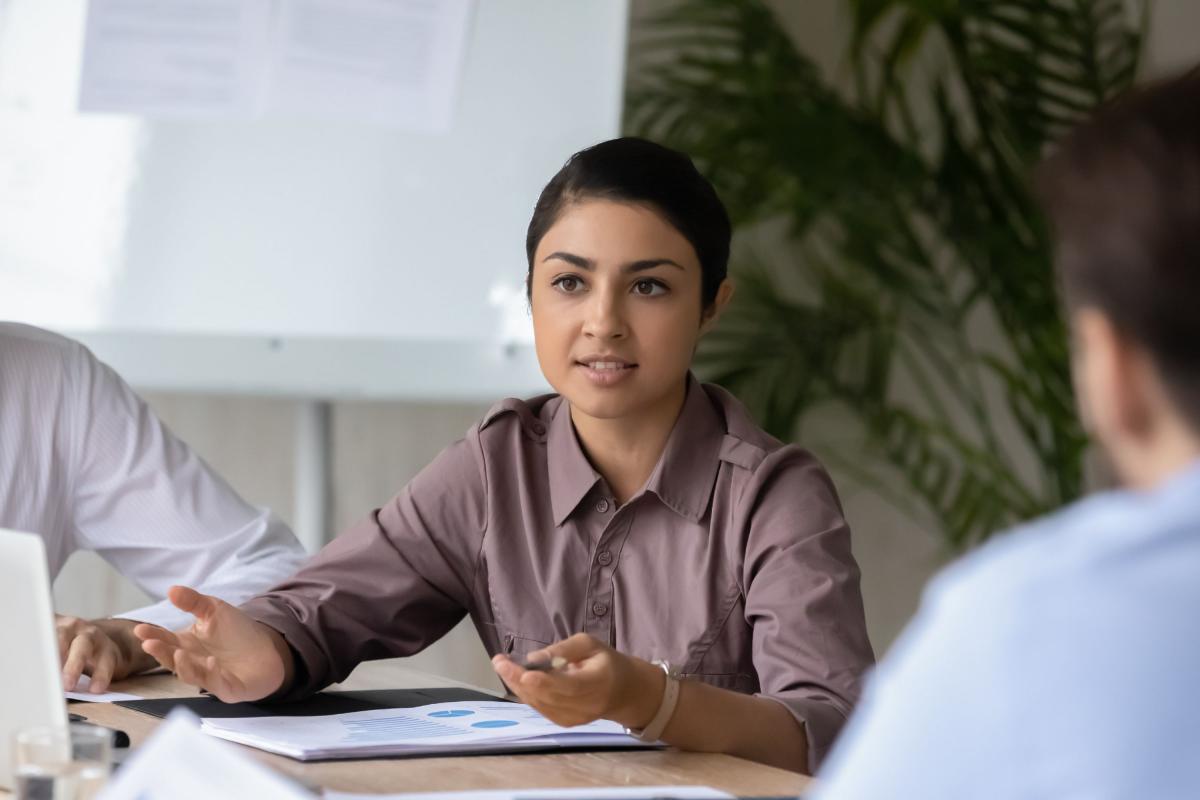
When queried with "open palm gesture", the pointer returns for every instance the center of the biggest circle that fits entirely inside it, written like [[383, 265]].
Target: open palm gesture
[[225, 651]]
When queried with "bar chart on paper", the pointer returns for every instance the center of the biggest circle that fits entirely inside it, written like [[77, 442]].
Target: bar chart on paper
[[391, 728]]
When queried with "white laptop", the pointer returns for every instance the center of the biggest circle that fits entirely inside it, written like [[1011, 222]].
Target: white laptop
[[31, 691]]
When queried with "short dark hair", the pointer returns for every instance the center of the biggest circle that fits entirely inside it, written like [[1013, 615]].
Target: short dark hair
[[1122, 193], [632, 170]]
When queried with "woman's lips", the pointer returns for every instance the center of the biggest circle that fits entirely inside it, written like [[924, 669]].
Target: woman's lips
[[606, 373]]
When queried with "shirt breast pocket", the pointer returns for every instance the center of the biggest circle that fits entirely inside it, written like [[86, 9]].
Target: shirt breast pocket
[[724, 655], [517, 647]]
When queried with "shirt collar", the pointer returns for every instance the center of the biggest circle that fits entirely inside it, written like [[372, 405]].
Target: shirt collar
[[683, 478], [571, 474]]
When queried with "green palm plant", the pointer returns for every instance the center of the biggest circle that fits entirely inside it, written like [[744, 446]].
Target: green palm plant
[[917, 293]]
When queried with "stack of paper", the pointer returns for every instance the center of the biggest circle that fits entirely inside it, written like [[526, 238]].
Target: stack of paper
[[83, 692], [442, 728]]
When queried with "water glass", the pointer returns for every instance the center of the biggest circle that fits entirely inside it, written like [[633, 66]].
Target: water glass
[[61, 763]]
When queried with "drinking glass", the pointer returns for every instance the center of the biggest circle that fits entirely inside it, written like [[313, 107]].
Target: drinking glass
[[61, 763]]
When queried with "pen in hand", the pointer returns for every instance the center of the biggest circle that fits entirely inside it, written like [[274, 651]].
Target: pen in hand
[[543, 664]]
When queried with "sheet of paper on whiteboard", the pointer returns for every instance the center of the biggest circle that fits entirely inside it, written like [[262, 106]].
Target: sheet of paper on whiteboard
[[174, 57], [396, 62], [391, 62]]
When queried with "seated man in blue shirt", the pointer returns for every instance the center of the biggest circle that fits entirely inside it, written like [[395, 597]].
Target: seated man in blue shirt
[[1062, 660]]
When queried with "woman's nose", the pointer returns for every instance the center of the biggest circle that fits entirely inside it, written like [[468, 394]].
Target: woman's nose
[[605, 317]]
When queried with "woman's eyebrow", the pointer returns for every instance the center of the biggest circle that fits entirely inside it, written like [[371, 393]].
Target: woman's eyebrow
[[590, 264], [650, 263], [571, 258]]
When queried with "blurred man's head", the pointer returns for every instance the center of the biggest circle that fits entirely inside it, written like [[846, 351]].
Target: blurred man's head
[[1123, 197]]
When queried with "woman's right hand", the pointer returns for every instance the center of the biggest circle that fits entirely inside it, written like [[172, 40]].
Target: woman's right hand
[[225, 651]]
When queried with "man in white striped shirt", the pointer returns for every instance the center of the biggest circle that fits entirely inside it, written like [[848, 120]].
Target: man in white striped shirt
[[86, 464]]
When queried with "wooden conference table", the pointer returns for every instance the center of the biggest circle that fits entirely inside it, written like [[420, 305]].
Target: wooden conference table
[[628, 768]]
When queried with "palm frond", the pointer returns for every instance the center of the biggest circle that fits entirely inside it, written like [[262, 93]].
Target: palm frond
[[910, 218]]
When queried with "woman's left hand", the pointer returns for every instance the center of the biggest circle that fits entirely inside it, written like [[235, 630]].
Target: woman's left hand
[[597, 682]]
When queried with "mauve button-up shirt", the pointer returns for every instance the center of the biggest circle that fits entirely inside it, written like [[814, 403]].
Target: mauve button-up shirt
[[733, 563]]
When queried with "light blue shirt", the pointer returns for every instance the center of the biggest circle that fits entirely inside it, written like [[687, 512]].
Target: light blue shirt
[[1061, 661]]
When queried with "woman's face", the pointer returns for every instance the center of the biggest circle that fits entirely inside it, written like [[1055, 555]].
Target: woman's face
[[616, 308]]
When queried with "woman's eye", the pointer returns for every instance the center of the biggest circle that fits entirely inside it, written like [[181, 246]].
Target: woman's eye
[[648, 288], [568, 283]]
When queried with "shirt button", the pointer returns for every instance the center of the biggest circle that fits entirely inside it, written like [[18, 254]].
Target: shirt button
[[605, 558], [538, 428], [602, 505], [599, 609]]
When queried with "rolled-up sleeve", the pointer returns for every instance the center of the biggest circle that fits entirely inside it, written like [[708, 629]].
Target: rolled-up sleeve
[[392, 584], [803, 598]]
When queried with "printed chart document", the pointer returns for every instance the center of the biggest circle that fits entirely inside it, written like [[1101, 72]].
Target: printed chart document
[[464, 727], [590, 793]]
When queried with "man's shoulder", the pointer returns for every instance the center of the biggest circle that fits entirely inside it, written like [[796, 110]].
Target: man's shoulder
[[39, 366], [1046, 644], [1007, 571], [36, 344], [1052, 591], [1090, 541]]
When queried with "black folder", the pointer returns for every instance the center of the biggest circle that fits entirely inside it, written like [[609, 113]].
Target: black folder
[[320, 704]]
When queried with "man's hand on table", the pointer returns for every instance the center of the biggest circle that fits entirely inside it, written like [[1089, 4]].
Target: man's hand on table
[[105, 649]]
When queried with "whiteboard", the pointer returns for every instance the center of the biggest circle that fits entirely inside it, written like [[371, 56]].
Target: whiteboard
[[300, 256]]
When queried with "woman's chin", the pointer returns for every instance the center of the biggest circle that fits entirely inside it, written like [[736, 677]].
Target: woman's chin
[[601, 407], [601, 402]]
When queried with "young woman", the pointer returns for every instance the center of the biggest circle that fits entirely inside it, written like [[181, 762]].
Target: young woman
[[689, 575]]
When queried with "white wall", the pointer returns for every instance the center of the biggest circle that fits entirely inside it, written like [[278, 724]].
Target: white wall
[[379, 446]]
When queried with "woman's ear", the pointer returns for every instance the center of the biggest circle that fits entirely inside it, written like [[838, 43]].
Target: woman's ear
[[713, 312]]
